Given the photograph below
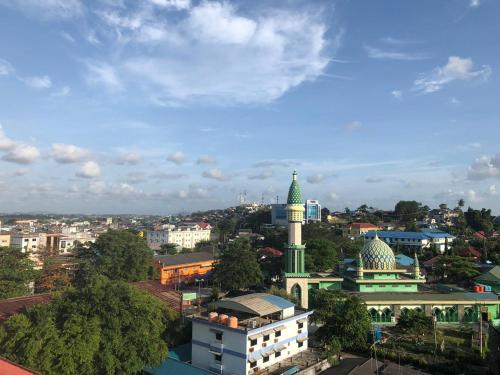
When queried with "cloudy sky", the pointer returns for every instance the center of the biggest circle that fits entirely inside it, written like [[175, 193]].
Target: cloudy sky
[[162, 106]]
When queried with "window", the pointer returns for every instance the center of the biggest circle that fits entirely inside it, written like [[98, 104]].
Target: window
[[218, 336], [277, 354], [300, 344], [253, 364], [266, 337], [265, 359], [253, 342], [301, 325], [218, 357], [277, 334]]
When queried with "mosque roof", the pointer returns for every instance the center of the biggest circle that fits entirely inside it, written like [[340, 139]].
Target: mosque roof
[[377, 255], [294, 193]]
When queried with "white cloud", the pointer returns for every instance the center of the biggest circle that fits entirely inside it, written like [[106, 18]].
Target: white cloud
[[103, 74], [89, 170], [493, 190], [397, 94], [47, 8], [194, 191], [484, 167], [206, 159], [264, 175], [65, 154], [5, 142], [474, 3], [64, 91], [354, 125], [177, 157], [136, 177], [263, 56], [215, 174], [473, 196], [5, 68], [457, 68], [132, 158], [176, 4], [22, 154], [21, 172], [377, 53], [334, 196], [374, 180], [96, 187], [38, 82], [316, 178], [67, 36]]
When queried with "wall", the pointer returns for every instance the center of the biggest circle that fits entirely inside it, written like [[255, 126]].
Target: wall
[[373, 288]]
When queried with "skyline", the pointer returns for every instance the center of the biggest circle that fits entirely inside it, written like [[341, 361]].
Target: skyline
[[175, 105]]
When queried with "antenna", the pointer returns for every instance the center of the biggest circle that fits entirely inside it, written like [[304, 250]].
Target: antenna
[[277, 199], [262, 199]]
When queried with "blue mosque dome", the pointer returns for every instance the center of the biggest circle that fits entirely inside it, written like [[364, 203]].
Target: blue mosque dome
[[377, 255]]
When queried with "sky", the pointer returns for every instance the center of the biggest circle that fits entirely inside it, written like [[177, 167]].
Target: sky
[[167, 106]]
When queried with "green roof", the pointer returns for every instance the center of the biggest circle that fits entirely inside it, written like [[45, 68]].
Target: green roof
[[492, 276], [294, 193]]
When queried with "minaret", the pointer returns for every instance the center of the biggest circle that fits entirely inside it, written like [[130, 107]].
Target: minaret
[[360, 267], [416, 266], [294, 253]]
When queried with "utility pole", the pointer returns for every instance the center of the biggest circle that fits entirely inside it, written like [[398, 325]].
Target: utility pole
[[480, 332]]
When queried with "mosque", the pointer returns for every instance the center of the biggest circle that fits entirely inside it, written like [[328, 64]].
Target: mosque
[[388, 289]]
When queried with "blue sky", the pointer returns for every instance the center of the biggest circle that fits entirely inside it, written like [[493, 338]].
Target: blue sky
[[162, 106]]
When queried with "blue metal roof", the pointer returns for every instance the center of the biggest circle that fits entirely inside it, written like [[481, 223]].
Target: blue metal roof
[[424, 235], [175, 363], [278, 301], [404, 260]]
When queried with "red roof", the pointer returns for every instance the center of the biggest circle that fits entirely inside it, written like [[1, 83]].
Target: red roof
[[431, 261], [10, 368], [270, 251], [470, 252], [481, 234], [167, 296], [204, 225], [11, 306], [362, 225]]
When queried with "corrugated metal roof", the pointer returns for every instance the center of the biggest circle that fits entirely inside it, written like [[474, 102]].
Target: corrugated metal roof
[[256, 303]]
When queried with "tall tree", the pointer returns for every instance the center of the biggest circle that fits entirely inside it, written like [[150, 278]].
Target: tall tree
[[321, 255], [415, 322], [16, 273], [408, 210], [479, 220], [118, 255], [237, 267], [345, 317], [456, 269], [107, 327]]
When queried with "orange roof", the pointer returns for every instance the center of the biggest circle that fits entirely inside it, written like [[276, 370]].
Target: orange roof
[[362, 225], [11, 306], [11, 368]]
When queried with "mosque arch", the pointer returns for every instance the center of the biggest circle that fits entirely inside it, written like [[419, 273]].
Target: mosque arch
[[451, 314], [438, 314], [386, 315], [404, 311], [297, 292], [469, 315], [374, 315]]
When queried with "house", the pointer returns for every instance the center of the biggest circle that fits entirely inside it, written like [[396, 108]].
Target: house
[[491, 278], [10, 368], [358, 229], [471, 252], [183, 268], [248, 333], [414, 241], [404, 260]]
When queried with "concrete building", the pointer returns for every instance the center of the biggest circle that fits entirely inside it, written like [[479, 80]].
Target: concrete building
[[185, 235], [247, 334], [414, 241], [312, 210], [358, 229], [27, 242], [4, 239], [183, 268], [278, 214]]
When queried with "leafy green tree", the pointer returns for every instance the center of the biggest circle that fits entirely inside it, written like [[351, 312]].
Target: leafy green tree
[[345, 317], [321, 255], [461, 203], [479, 220], [237, 267], [227, 227], [168, 248], [107, 327], [283, 294], [456, 269], [408, 210], [16, 273], [118, 255], [415, 322]]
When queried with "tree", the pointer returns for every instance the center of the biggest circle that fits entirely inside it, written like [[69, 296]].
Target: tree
[[168, 248], [345, 317], [283, 294], [324, 214], [456, 269], [479, 220], [408, 210], [237, 267], [321, 255], [415, 322], [227, 227], [106, 327], [118, 255], [461, 203], [54, 276], [16, 273]]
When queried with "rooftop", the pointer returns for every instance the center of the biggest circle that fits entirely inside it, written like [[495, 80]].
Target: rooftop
[[187, 258], [413, 235], [11, 306], [259, 304]]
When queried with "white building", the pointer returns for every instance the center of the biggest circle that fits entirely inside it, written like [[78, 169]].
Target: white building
[[248, 333], [27, 242], [416, 241], [186, 236]]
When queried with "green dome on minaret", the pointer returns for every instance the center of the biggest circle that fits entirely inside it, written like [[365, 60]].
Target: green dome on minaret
[[294, 193]]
